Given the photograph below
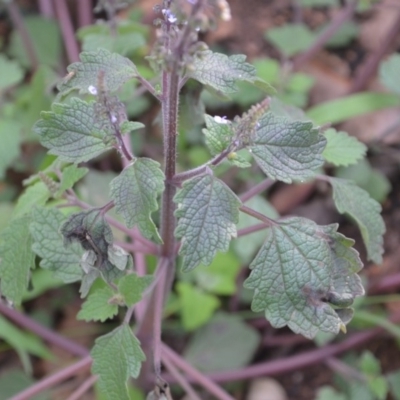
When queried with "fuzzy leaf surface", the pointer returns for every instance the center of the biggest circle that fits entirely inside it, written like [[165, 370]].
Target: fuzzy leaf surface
[[356, 202], [135, 193], [73, 131], [71, 175], [116, 357], [35, 195], [116, 68], [218, 135], [48, 245], [97, 306], [207, 211], [342, 149], [16, 259], [221, 72], [287, 150], [299, 271], [132, 286]]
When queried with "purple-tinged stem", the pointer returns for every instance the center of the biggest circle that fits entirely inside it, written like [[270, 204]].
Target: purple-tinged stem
[[46, 8], [256, 214], [180, 379], [85, 12], [67, 30], [257, 189], [19, 24], [334, 27], [46, 383], [195, 375], [45, 333], [251, 229], [77, 395]]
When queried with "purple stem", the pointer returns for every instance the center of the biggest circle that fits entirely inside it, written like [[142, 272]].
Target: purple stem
[[19, 24], [84, 12], [52, 380], [46, 8], [251, 229], [195, 375], [180, 379], [334, 27], [89, 382], [257, 189], [368, 68], [67, 30], [45, 333]]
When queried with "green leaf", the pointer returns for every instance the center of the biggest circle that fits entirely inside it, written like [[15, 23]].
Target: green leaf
[[35, 195], [220, 276], [329, 393], [287, 150], [302, 270], [10, 141], [46, 40], [225, 343], [73, 131], [221, 72], [131, 287], [369, 364], [130, 126], [48, 244], [394, 382], [98, 307], [16, 258], [116, 357], [197, 307], [135, 193], [291, 39], [342, 149], [11, 73], [126, 40], [389, 72], [207, 211], [370, 179], [218, 134], [246, 246], [116, 68], [71, 175], [340, 110], [14, 381], [355, 202]]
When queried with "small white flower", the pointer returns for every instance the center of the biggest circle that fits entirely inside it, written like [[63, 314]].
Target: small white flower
[[221, 120], [170, 16], [223, 6], [113, 118], [92, 90]]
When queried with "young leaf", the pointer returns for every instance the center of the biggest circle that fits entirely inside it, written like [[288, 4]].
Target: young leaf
[[16, 258], [135, 192], [218, 134], [197, 306], [35, 195], [300, 269], [73, 131], [207, 211], [342, 149], [84, 75], [97, 307], [131, 287], [48, 245], [389, 71], [221, 72], [71, 175], [287, 150], [116, 357], [354, 201]]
